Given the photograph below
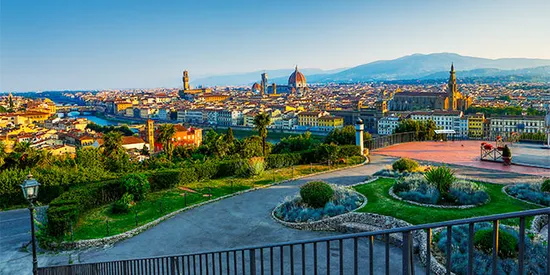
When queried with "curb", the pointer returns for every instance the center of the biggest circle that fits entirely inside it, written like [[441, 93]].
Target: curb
[[99, 242]]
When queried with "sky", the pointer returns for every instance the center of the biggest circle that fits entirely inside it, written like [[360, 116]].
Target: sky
[[106, 44]]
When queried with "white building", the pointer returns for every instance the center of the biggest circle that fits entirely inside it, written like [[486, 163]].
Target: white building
[[520, 124], [445, 120], [387, 125]]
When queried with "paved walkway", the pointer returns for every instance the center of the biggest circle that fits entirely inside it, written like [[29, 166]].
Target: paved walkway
[[467, 153], [238, 221]]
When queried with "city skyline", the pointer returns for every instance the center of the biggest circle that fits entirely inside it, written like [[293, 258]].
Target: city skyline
[[102, 45]]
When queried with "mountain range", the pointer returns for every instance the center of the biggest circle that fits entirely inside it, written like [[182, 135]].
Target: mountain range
[[416, 66]]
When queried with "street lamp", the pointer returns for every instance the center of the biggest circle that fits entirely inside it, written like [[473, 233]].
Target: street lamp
[[30, 192]]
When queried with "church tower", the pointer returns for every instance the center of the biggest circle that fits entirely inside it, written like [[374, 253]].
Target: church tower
[[150, 132], [185, 80], [452, 90], [263, 85]]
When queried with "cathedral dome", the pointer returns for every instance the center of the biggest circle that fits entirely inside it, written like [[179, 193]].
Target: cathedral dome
[[256, 88], [297, 79]]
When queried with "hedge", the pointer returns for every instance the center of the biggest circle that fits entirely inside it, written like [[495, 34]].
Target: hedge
[[283, 160], [347, 151], [70, 205]]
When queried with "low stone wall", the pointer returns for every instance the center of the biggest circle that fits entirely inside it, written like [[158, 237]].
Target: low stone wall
[[128, 234]]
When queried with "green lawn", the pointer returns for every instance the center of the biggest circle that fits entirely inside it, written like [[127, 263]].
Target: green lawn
[[380, 202], [93, 224]]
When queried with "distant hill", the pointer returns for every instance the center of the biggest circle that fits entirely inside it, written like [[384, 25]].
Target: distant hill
[[419, 66], [411, 67], [251, 77]]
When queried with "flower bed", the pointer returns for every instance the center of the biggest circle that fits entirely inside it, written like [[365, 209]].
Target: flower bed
[[295, 210], [416, 188], [535, 252], [530, 192]]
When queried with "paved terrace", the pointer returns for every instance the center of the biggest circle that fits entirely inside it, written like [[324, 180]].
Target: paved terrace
[[467, 153]]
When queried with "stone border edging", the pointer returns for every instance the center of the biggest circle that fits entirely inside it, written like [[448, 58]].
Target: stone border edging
[[468, 206], [130, 233], [516, 198]]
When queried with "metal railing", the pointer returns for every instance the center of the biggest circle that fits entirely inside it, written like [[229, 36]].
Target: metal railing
[[344, 254], [385, 141]]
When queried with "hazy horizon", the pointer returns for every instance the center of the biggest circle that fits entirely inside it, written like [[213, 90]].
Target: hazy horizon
[[66, 45]]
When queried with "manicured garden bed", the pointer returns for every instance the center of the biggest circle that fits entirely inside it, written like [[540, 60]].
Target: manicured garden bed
[[297, 210], [380, 202], [530, 192]]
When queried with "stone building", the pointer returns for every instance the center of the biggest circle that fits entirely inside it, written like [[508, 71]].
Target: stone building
[[451, 99]]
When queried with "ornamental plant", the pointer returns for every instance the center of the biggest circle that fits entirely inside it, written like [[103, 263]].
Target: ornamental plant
[[442, 178], [506, 152], [545, 186], [507, 243], [405, 164], [137, 185], [316, 193]]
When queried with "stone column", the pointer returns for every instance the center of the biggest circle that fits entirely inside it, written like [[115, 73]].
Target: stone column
[[359, 127]]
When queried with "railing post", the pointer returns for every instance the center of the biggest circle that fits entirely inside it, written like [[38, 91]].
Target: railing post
[[173, 266], [406, 253], [495, 247], [252, 262]]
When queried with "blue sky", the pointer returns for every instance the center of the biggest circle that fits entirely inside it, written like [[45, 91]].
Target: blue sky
[[101, 44]]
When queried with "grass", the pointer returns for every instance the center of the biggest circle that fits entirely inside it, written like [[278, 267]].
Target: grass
[[380, 202], [93, 224]]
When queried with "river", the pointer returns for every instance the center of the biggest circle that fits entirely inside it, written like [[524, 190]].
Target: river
[[92, 118]]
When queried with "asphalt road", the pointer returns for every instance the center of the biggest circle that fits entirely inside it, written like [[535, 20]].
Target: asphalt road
[[243, 220]]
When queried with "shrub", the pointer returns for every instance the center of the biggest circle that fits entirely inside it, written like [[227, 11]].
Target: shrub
[[545, 186], [187, 175], [507, 244], [123, 204], [164, 179], [229, 168], [529, 192], [283, 160], [347, 151], [136, 185], [405, 164], [206, 170], [442, 178], [253, 167], [316, 193]]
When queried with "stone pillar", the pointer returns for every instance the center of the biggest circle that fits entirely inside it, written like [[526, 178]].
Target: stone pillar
[[359, 127]]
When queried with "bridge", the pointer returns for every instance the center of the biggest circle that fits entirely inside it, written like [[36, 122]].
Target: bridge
[[78, 108]]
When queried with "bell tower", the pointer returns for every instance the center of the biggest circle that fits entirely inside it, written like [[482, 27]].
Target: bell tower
[[185, 79], [150, 133], [452, 90]]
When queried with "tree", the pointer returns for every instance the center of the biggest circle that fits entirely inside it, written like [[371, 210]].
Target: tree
[[116, 158], [2, 153], [345, 136], [166, 132], [261, 121], [295, 143], [229, 137]]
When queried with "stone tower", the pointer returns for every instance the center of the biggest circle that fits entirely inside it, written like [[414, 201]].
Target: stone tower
[[185, 80], [150, 133], [263, 85], [452, 90], [359, 128], [274, 88]]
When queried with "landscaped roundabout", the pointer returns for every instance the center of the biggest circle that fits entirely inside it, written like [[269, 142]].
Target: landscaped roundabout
[[408, 194]]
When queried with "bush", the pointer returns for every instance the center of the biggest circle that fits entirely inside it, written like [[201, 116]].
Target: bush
[[164, 179], [507, 244], [229, 168], [136, 185], [206, 170], [506, 151], [253, 167], [442, 178], [316, 193], [347, 151], [283, 160], [529, 192], [545, 186], [123, 204], [405, 164], [187, 175]]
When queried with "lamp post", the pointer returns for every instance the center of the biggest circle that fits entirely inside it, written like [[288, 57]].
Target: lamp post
[[30, 192]]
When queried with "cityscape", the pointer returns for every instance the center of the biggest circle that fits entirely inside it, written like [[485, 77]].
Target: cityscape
[[415, 159]]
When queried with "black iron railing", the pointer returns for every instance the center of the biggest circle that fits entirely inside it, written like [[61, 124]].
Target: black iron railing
[[344, 254]]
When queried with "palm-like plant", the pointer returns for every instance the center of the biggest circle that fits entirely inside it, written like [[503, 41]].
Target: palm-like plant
[[441, 177], [261, 121], [165, 134], [112, 143]]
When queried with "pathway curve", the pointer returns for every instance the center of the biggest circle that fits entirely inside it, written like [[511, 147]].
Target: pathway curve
[[238, 221]]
